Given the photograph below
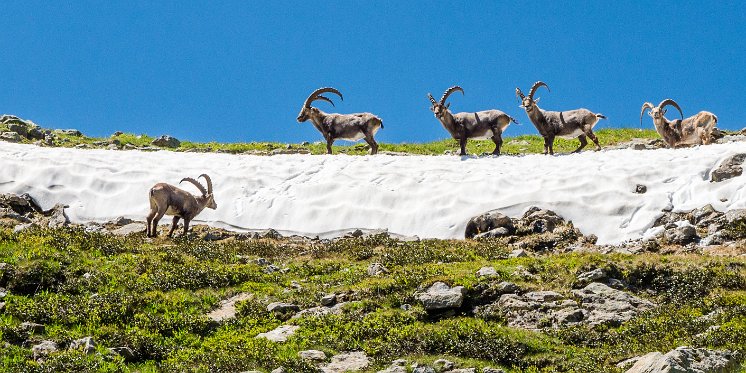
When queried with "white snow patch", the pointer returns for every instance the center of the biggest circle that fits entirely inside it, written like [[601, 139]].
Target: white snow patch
[[427, 196]]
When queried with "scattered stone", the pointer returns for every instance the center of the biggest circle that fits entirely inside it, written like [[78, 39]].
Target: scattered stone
[[347, 362], [128, 229], [32, 328], [280, 307], [641, 189], [321, 311], [329, 299], [314, 355], [729, 168], [377, 269], [681, 235], [85, 344], [227, 308], [125, 352], [518, 253], [10, 136], [279, 334], [397, 366], [487, 222], [43, 349], [166, 141], [121, 221], [487, 272], [686, 359], [440, 296], [443, 364], [423, 368]]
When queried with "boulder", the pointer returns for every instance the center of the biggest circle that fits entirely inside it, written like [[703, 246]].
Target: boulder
[[329, 299], [347, 362], [57, 216], [166, 142], [592, 276], [487, 222], [487, 272], [281, 307], [605, 305], [125, 352], [22, 204], [518, 253], [729, 168], [541, 220], [494, 233], [129, 229], [70, 132], [314, 355], [43, 349], [641, 189], [86, 345], [32, 328], [681, 235], [279, 334], [377, 269], [10, 137], [686, 359], [440, 296]]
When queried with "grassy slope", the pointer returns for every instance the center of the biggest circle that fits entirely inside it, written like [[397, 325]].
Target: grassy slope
[[512, 145], [152, 297]]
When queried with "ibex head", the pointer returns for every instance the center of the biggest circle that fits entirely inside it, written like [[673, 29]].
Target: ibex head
[[657, 112], [307, 111], [206, 193], [439, 108], [529, 103]]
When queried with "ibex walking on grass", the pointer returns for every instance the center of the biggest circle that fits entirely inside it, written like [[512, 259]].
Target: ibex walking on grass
[[566, 124], [351, 127], [695, 130], [462, 126], [166, 199]]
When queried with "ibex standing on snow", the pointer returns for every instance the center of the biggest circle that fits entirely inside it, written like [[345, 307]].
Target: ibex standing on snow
[[166, 199], [351, 127], [463, 126], [566, 124], [695, 130]]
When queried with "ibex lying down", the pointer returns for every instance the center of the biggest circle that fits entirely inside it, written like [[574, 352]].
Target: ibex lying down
[[463, 126], [166, 199], [351, 127], [695, 130], [566, 124]]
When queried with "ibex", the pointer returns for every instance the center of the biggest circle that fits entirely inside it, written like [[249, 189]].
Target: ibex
[[166, 199], [351, 127], [695, 130], [566, 124], [463, 126]]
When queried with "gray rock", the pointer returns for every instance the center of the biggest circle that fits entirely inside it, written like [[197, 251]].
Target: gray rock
[[423, 369], [377, 269], [736, 216], [21, 204], [43, 349], [729, 168], [518, 253], [463, 370], [705, 215], [541, 220], [440, 296], [321, 311], [486, 222], [70, 132], [279, 334], [129, 229], [641, 189], [85, 344], [329, 299], [122, 221], [443, 364], [605, 305], [314, 355], [494, 233], [279, 370], [10, 137], [166, 142], [682, 235], [57, 216], [592, 276], [492, 370], [19, 128], [686, 359], [125, 352], [280, 307], [226, 310], [487, 272], [32, 328], [347, 362]]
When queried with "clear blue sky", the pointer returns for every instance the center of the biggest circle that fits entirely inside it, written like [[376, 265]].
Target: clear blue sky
[[240, 70]]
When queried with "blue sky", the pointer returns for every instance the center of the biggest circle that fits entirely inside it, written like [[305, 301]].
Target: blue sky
[[240, 70]]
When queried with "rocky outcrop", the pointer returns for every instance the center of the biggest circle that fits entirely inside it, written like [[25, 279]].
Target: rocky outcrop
[[166, 141], [440, 296], [279, 334], [684, 359], [487, 222], [347, 362], [728, 168]]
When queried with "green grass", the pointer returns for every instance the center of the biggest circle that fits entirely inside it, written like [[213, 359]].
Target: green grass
[[525, 144], [152, 296]]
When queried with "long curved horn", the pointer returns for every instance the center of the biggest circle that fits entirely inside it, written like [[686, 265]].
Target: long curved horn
[[209, 183], [646, 105], [432, 99], [322, 98], [519, 93], [448, 93], [673, 103], [196, 183], [319, 91], [535, 87]]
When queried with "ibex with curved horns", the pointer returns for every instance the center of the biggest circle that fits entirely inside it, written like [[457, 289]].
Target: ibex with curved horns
[[463, 126], [351, 127], [695, 130], [566, 124], [166, 199]]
